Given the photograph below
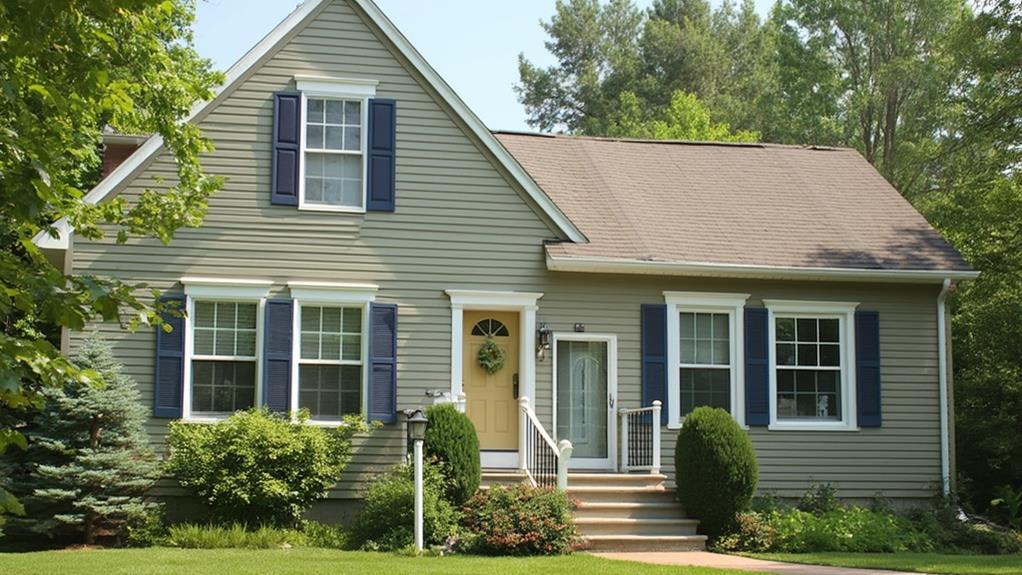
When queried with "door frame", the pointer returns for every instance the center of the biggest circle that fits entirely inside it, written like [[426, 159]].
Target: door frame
[[610, 463], [525, 303]]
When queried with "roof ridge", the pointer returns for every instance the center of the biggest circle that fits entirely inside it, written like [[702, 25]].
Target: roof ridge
[[626, 140]]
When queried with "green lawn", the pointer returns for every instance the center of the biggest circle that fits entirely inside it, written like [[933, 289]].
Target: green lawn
[[162, 561], [918, 562]]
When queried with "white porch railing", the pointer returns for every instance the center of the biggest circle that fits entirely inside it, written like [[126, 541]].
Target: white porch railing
[[640, 439], [544, 463]]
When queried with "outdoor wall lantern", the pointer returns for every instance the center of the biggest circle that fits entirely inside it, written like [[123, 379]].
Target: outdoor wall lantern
[[542, 340]]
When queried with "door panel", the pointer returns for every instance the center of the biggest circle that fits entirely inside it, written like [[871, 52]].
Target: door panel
[[490, 402], [583, 399]]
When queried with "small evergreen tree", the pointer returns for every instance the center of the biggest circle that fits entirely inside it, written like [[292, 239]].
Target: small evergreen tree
[[88, 461]]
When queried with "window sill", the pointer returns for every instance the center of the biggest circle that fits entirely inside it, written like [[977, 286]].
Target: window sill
[[204, 419], [810, 426], [336, 209]]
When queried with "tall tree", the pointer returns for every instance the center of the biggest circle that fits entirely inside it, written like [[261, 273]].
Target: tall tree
[[685, 119], [88, 462], [67, 70]]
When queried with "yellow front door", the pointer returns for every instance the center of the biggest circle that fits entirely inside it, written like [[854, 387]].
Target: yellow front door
[[490, 397]]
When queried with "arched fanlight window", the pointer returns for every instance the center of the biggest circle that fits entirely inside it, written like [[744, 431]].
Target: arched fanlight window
[[490, 327]]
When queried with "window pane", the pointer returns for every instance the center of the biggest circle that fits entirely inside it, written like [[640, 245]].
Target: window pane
[[351, 167], [785, 329], [310, 345], [223, 343], [830, 355], [333, 111], [806, 354], [688, 325], [785, 354], [806, 329], [247, 315], [315, 110], [226, 315], [222, 386], [808, 394], [352, 139], [353, 113], [721, 352], [330, 346], [352, 320], [204, 313], [334, 138], [332, 320], [705, 386], [704, 354], [314, 137], [721, 328], [203, 341], [352, 347], [330, 391], [246, 343], [829, 330], [310, 318], [703, 326], [785, 381]]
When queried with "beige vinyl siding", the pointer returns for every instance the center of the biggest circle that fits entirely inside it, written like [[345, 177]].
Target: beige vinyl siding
[[460, 224]]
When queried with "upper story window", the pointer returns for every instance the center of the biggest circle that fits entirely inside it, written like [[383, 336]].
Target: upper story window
[[705, 337], [333, 140], [812, 382]]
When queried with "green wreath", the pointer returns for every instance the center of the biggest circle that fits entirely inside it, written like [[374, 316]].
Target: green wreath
[[491, 356]]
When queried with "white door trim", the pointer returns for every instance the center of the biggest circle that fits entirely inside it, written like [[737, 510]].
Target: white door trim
[[611, 341], [522, 302]]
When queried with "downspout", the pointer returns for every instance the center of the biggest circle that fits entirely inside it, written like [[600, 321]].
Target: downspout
[[945, 416]]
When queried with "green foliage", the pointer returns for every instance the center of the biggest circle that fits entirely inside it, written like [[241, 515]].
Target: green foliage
[[451, 439], [819, 499], [260, 468], [386, 520], [145, 529], [1009, 504], [518, 520], [232, 536], [88, 461], [716, 469], [324, 536], [68, 70], [685, 119]]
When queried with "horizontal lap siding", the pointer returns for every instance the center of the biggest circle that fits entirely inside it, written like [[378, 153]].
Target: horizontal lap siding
[[458, 223]]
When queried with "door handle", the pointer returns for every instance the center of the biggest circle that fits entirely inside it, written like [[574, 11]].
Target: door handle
[[514, 385], [611, 401]]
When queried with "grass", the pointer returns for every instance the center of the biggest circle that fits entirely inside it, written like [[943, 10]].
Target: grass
[[165, 561], [913, 562]]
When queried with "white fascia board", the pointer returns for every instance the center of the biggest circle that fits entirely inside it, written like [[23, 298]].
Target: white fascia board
[[154, 143], [492, 299], [706, 269], [706, 299], [336, 87], [472, 121], [330, 292], [226, 288]]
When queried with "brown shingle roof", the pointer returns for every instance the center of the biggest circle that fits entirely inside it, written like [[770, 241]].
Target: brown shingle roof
[[753, 204]]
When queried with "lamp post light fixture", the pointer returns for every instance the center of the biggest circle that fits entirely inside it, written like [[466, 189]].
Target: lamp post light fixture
[[417, 422]]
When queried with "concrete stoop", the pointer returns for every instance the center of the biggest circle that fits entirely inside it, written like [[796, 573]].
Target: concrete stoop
[[623, 512]]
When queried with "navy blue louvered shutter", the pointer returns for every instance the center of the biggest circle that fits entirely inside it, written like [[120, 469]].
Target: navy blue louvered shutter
[[168, 381], [381, 167], [757, 366], [286, 164], [383, 363], [654, 356], [867, 367], [277, 354]]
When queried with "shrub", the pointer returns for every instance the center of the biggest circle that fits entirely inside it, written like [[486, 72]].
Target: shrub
[[715, 468], [232, 536], [325, 536], [954, 532], [751, 533], [145, 529], [260, 468], [451, 438], [518, 520], [820, 498], [385, 521]]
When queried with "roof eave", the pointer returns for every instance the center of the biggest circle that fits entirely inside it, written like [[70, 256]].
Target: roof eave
[[708, 269]]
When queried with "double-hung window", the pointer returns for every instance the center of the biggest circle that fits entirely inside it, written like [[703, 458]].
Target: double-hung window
[[333, 140], [330, 366], [812, 383], [331, 348], [222, 346], [704, 334]]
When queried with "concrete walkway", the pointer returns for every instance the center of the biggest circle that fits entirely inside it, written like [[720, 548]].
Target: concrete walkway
[[705, 559]]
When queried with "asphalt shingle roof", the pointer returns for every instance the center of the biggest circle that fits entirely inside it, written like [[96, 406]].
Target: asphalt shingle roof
[[745, 204]]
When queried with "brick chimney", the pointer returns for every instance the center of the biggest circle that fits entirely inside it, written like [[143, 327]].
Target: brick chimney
[[117, 148]]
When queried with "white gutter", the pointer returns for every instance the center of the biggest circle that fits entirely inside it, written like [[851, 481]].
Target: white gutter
[[945, 416], [710, 269]]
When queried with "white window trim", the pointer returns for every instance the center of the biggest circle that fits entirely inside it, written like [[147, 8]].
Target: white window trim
[[844, 312], [337, 88], [223, 290], [732, 304], [326, 294]]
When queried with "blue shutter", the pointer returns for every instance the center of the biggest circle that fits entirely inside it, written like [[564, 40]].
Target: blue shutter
[[383, 363], [381, 166], [277, 354], [168, 381], [286, 165], [654, 356], [757, 366], [867, 367]]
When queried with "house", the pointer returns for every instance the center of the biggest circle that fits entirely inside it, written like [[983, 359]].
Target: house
[[373, 237]]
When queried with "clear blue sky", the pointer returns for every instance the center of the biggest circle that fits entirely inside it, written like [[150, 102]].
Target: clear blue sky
[[473, 44]]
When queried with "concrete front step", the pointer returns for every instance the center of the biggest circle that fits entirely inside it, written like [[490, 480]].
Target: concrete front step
[[635, 543], [505, 478], [619, 494], [589, 526], [627, 510], [581, 479]]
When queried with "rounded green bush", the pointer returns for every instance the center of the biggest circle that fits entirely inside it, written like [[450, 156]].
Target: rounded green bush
[[451, 439], [715, 468], [518, 520]]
